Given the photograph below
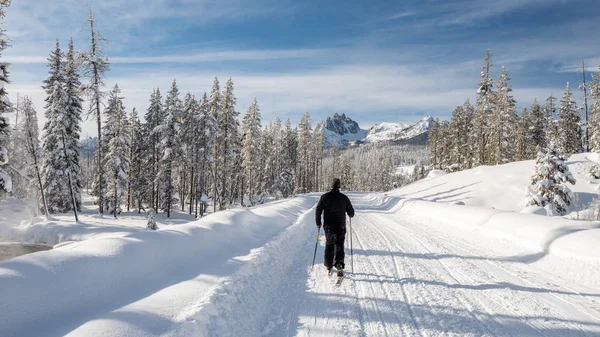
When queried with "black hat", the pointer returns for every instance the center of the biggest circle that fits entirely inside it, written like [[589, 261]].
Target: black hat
[[336, 184]]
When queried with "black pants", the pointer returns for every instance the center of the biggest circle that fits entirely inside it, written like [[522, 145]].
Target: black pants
[[334, 249]]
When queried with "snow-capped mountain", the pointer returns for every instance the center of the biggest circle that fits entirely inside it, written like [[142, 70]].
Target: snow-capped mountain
[[342, 130], [385, 132]]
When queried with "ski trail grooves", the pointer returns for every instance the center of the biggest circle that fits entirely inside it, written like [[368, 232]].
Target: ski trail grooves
[[414, 279]]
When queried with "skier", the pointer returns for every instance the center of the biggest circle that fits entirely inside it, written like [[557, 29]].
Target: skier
[[334, 205]]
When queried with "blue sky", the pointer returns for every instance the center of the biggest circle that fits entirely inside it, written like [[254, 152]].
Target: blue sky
[[392, 61]]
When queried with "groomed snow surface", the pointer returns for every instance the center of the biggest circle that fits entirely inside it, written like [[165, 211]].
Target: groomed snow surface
[[421, 268]]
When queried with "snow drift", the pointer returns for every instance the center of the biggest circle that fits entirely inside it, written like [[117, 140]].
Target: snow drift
[[61, 289]]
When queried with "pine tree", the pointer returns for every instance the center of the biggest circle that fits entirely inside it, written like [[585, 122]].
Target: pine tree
[[277, 157], [207, 129], [569, 124], [227, 136], [540, 125], [460, 128], [251, 151], [594, 121], [335, 167], [19, 156], [169, 153], [504, 120], [136, 177], [95, 65], [154, 117], [523, 147], [303, 153], [72, 120], [29, 132], [186, 143], [55, 164], [5, 107], [549, 182], [435, 145], [290, 160], [480, 136], [214, 109], [116, 158]]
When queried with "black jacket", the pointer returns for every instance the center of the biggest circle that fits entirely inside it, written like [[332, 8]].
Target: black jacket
[[334, 205]]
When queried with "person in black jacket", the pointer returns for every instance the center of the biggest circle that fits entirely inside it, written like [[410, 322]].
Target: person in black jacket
[[334, 205]]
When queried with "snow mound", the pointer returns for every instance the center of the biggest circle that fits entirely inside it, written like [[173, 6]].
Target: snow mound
[[534, 210], [436, 173], [501, 187], [96, 281]]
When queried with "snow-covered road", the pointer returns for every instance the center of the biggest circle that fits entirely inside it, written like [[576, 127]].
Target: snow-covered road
[[412, 277]]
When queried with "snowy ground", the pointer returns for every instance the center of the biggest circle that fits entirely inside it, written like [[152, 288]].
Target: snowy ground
[[502, 187], [247, 273], [421, 268], [18, 223]]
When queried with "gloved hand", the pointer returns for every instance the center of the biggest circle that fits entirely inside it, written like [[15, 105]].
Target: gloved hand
[[318, 225]]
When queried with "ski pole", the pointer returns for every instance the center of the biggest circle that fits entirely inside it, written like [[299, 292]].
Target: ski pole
[[351, 256], [316, 244]]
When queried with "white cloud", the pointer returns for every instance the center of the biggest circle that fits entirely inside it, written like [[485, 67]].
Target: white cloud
[[360, 90]]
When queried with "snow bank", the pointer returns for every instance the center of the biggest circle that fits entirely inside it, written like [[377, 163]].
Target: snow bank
[[500, 187], [559, 236], [66, 287]]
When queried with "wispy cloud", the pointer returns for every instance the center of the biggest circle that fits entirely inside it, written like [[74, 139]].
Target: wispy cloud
[[200, 56]]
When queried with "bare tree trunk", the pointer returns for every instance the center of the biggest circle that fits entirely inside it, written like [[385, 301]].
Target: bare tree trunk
[[37, 171], [191, 190], [115, 196], [73, 200]]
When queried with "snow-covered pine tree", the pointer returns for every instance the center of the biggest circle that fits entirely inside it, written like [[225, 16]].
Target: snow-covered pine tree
[[549, 182], [154, 117], [523, 136], [116, 158], [72, 120], [20, 160], [435, 145], [569, 124], [480, 135], [594, 120], [95, 66], [445, 154], [55, 165], [186, 142], [5, 107], [277, 156], [169, 153], [335, 167], [460, 127], [552, 124], [251, 151], [267, 163], [290, 160], [29, 131], [318, 152], [214, 109], [136, 177], [228, 137], [207, 129], [503, 123], [540, 124], [303, 153]]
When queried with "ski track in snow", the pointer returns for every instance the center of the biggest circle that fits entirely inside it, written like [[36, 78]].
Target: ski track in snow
[[410, 278]]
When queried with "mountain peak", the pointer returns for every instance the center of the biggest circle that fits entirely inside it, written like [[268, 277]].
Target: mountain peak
[[341, 130]]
